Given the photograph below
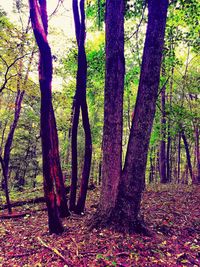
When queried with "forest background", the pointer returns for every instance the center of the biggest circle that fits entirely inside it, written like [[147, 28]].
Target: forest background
[[173, 155]]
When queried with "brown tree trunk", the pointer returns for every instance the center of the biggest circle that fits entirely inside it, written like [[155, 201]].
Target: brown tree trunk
[[179, 159], [162, 156], [51, 161], [168, 156], [152, 166], [74, 178], [113, 107], [6, 157], [121, 192], [197, 152], [187, 155], [80, 103], [133, 176]]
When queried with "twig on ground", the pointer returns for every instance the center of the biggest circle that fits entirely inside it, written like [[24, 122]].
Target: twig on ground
[[77, 249], [54, 250]]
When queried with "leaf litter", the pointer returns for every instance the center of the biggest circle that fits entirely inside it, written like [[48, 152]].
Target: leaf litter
[[171, 213]]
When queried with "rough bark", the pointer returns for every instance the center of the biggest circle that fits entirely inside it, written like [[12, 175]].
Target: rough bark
[[133, 176], [113, 105], [51, 161], [121, 193]]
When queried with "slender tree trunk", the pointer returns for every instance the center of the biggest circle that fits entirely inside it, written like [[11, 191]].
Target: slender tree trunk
[[81, 103], [74, 178], [6, 158], [187, 155], [99, 173], [162, 156], [197, 153], [99, 14], [168, 165], [179, 159], [87, 160], [51, 161], [5, 185], [152, 167]]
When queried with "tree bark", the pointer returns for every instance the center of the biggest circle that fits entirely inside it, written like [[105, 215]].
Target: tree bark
[[133, 176], [168, 156], [179, 159], [152, 166], [80, 102], [51, 161], [6, 157], [113, 106], [187, 155], [197, 153], [162, 156], [121, 192]]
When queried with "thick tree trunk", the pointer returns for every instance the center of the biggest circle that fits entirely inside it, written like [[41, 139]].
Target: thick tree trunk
[[133, 176], [113, 107], [56, 167], [121, 193]]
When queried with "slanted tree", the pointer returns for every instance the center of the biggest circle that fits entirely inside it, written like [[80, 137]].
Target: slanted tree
[[51, 162], [122, 189], [5, 160]]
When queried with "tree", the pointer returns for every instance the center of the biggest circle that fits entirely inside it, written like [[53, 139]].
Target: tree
[[51, 162], [80, 102], [122, 189], [5, 160]]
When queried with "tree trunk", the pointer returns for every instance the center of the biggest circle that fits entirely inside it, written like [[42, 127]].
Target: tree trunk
[[197, 153], [87, 160], [187, 155], [179, 159], [133, 176], [121, 192], [51, 161], [113, 107], [74, 178], [6, 158], [56, 167], [162, 156], [80, 102], [152, 167], [168, 165]]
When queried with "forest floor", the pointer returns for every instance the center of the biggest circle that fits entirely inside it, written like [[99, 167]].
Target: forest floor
[[172, 213]]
